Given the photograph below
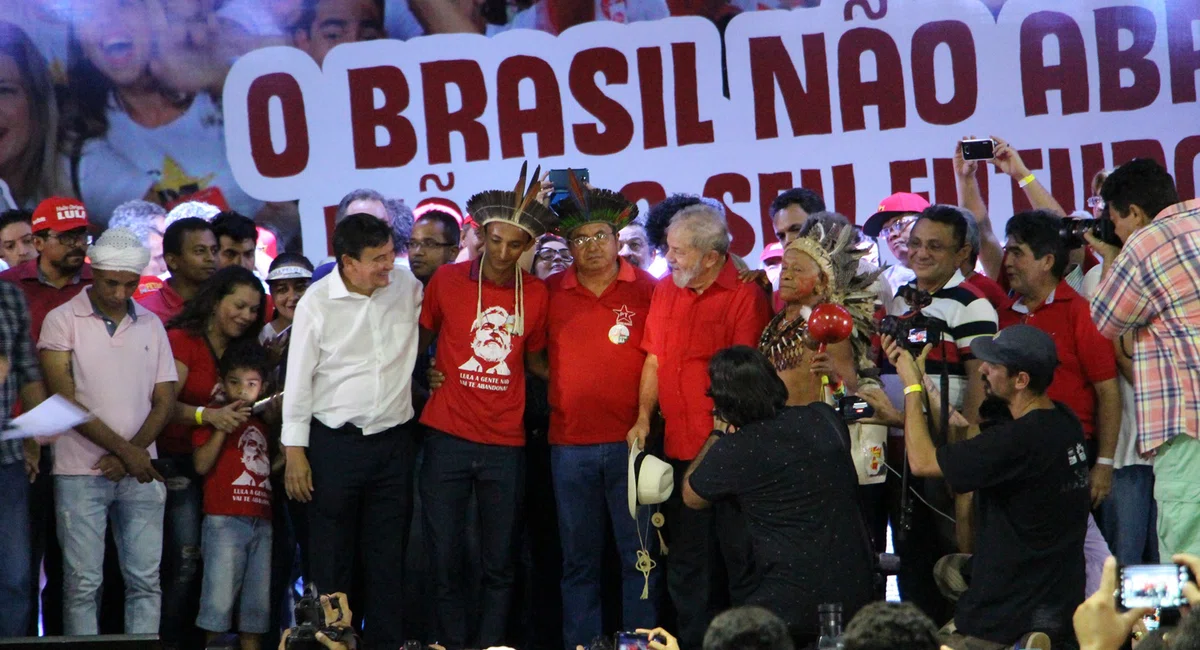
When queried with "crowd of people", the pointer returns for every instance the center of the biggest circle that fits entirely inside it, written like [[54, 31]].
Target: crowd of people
[[573, 445]]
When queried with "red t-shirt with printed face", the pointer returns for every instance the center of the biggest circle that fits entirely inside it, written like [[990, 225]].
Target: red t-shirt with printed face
[[483, 398], [202, 377], [596, 356], [239, 484]]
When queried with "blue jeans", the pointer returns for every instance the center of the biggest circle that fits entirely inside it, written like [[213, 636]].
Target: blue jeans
[[16, 573], [181, 550], [237, 569], [452, 469], [1128, 517], [589, 480], [85, 505]]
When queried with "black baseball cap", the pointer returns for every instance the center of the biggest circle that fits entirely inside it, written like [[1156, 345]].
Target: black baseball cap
[[1020, 346]]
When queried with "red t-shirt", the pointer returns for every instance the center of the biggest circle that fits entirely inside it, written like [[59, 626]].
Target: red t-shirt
[[684, 329], [990, 289], [165, 303], [596, 356], [239, 484], [483, 399], [202, 376], [43, 298], [1085, 357], [147, 284]]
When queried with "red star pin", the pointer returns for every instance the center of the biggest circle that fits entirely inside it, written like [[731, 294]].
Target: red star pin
[[624, 316]]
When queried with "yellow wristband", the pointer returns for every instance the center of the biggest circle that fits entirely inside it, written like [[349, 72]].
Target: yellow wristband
[[915, 388], [1026, 181], [199, 412]]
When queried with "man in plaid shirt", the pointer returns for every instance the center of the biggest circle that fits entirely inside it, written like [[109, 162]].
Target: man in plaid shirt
[[18, 461], [1152, 286]]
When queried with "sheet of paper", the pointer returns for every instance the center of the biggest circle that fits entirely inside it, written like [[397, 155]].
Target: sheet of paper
[[53, 416]]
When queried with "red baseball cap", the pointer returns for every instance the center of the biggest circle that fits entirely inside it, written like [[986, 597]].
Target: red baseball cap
[[900, 203], [59, 214], [772, 252]]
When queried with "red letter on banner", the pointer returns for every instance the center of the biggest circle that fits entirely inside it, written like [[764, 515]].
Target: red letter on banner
[[545, 119], [618, 124], [740, 231], [958, 37], [1069, 75], [807, 108], [689, 129], [886, 92], [1184, 52], [1110, 22], [440, 122], [654, 120], [365, 117], [294, 157]]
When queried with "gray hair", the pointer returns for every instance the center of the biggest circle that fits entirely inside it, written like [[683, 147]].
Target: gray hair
[[706, 225], [138, 217], [401, 217], [973, 232], [362, 194], [747, 628], [199, 209]]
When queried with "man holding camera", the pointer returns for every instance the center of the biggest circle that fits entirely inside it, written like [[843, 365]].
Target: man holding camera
[[1150, 288], [1030, 478]]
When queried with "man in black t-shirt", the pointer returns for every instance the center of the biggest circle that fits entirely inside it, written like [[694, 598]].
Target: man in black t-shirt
[[1030, 478]]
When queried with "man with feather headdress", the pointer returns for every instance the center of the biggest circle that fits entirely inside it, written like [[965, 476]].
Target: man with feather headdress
[[476, 434]]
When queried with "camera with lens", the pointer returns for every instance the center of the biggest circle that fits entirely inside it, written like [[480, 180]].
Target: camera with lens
[[1071, 230], [310, 619], [915, 329]]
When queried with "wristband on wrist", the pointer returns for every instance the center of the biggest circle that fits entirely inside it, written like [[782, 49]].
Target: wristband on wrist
[[1104, 461], [1024, 182], [199, 414], [914, 388]]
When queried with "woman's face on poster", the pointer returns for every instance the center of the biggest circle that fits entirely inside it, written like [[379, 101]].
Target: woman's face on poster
[[16, 119], [115, 37]]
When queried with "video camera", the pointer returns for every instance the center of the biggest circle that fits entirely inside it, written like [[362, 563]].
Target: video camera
[[1071, 231], [310, 619], [915, 329]]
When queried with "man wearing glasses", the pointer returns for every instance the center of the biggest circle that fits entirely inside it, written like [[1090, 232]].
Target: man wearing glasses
[[434, 242], [894, 221]]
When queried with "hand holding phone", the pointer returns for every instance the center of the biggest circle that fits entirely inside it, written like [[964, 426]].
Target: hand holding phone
[[984, 149], [1152, 585]]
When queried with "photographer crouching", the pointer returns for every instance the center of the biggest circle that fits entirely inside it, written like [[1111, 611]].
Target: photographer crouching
[[1030, 479]]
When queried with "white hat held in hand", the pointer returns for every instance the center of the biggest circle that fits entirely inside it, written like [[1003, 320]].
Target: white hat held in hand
[[651, 480]]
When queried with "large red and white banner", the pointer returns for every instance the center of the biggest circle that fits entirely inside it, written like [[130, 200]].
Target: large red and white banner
[[854, 99]]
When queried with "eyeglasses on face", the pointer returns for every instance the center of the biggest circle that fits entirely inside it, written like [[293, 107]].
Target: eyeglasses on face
[[599, 238], [552, 254], [417, 244]]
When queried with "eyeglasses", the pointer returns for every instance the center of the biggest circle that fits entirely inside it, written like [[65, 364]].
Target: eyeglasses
[[417, 244], [897, 226], [1095, 202], [599, 238], [552, 254], [71, 239], [935, 247]]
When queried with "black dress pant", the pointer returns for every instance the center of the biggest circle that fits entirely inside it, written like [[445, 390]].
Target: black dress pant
[[362, 502]]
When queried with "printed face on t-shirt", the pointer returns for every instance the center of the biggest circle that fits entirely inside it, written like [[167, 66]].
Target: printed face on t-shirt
[[255, 456], [492, 342]]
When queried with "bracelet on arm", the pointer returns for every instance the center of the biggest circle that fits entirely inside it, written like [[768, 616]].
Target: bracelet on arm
[[1104, 461], [914, 388], [199, 416], [1024, 182]]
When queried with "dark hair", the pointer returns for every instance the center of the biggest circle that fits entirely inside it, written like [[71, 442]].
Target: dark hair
[[1184, 636], [309, 14], [832, 222], [744, 386], [197, 312], [1141, 182], [246, 354], [808, 200], [38, 175], [949, 215], [747, 628], [449, 224], [234, 226], [357, 232], [891, 626], [173, 237], [290, 259], [1038, 381], [660, 214], [1039, 230], [9, 217]]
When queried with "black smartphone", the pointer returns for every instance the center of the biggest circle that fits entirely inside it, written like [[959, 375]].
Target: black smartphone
[[854, 408], [561, 179], [978, 149], [631, 641], [1153, 585]]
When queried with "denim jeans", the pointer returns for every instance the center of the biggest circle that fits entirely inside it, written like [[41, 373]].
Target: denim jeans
[[452, 468], [181, 551], [16, 575], [237, 570], [85, 506], [590, 480], [1128, 516]]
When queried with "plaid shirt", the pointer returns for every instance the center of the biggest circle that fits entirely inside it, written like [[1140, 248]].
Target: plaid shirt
[[18, 347], [1154, 289]]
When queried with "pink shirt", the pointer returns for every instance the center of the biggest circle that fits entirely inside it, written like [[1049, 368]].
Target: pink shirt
[[114, 375]]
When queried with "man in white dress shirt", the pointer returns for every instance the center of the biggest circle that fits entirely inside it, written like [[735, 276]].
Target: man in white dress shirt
[[349, 401]]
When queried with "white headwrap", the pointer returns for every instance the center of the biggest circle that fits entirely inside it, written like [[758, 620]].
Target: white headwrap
[[118, 249]]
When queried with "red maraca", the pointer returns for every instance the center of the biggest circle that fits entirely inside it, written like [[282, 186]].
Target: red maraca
[[829, 323]]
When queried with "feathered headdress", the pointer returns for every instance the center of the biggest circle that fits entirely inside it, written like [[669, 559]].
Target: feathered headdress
[[583, 206], [519, 207], [836, 253]]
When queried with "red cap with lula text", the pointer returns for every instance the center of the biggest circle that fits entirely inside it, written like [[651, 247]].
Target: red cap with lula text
[[60, 215]]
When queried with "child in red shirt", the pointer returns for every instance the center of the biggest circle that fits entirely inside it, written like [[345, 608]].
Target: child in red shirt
[[236, 535]]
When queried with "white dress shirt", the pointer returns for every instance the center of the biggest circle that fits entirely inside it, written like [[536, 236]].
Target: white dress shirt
[[351, 357]]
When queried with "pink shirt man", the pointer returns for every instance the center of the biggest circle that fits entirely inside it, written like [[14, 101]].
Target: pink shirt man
[[114, 375]]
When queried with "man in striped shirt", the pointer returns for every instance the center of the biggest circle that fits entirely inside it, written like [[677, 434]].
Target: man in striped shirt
[[1151, 288]]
